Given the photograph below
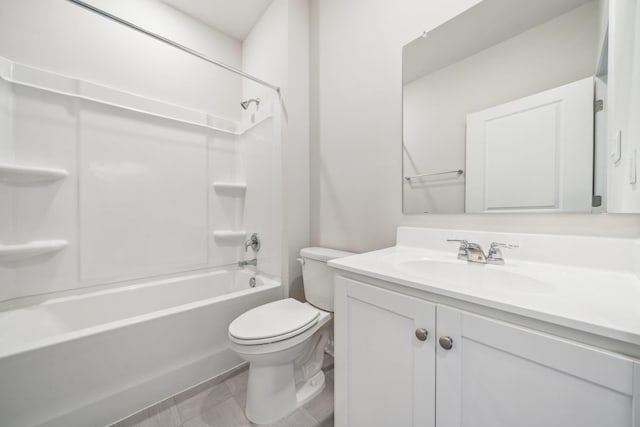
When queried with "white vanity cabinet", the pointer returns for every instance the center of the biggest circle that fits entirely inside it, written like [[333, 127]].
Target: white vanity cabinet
[[494, 373], [387, 351], [497, 374]]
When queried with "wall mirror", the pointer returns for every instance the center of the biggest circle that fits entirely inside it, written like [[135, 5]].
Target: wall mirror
[[521, 106]]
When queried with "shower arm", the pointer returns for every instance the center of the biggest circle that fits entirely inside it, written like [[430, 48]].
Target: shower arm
[[245, 104], [172, 43]]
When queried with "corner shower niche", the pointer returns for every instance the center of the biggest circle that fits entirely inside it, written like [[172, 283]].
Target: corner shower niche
[[20, 175], [130, 187], [231, 194]]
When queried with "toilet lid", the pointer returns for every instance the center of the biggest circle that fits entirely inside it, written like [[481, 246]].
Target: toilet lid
[[274, 321]]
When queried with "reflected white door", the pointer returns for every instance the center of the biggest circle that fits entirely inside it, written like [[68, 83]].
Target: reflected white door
[[533, 154]]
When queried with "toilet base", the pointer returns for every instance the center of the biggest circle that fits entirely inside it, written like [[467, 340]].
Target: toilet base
[[284, 375], [271, 392], [311, 388], [278, 384]]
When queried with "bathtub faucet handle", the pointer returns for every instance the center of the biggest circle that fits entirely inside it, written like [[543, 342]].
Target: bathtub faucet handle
[[253, 243]]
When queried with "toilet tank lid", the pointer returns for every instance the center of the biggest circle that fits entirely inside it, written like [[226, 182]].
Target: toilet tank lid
[[323, 254]]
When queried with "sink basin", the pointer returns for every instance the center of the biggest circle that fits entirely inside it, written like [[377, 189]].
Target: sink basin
[[481, 276], [589, 284]]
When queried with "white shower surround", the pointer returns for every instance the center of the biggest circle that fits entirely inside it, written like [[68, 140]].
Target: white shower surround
[[95, 358], [119, 150]]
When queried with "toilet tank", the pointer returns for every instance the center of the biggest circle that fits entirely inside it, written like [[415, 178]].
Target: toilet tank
[[317, 276]]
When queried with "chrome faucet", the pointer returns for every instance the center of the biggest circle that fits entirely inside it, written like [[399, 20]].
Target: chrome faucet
[[472, 252], [253, 243], [463, 250], [253, 262], [495, 254]]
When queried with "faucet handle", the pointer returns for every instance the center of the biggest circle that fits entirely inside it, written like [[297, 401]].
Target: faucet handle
[[253, 243], [495, 254], [503, 245], [463, 252], [462, 242]]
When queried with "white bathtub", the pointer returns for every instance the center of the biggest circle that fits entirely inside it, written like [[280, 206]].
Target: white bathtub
[[92, 359]]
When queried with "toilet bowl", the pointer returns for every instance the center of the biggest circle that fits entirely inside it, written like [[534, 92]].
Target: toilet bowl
[[284, 343]]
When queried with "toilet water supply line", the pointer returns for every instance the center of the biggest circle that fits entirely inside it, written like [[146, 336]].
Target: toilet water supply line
[[319, 349], [322, 343], [317, 356]]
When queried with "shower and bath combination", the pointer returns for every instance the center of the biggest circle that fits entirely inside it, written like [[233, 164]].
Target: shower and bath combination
[[170, 303]]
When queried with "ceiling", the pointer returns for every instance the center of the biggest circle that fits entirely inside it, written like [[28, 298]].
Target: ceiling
[[478, 28], [234, 18]]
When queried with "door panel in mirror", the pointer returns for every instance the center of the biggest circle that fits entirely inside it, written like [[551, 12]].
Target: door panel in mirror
[[497, 52], [533, 154]]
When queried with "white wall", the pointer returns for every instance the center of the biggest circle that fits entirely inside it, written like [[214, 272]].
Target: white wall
[[59, 36], [557, 52], [277, 50], [624, 101], [261, 168], [296, 153], [356, 54], [264, 53], [7, 217], [6, 116]]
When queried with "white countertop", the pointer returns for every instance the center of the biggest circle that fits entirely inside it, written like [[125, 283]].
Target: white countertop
[[601, 301]]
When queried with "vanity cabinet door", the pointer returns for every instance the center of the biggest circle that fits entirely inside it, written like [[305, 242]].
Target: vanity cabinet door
[[385, 357], [496, 374]]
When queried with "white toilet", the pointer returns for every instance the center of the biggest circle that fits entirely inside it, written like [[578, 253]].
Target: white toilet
[[284, 342]]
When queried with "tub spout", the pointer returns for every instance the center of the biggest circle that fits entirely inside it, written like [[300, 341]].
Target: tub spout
[[253, 262]]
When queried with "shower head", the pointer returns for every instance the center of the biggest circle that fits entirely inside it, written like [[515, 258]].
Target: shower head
[[245, 104]]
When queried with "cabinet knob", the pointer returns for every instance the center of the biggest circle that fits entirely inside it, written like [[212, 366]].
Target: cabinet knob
[[421, 334], [446, 342]]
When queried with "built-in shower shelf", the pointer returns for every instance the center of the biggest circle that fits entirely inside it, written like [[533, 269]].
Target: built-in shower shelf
[[31, 249], [230, 234], [230, 187], [19, 174]]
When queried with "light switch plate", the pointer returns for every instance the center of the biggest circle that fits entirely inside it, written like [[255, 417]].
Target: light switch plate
[[633, 167], [616, 148]]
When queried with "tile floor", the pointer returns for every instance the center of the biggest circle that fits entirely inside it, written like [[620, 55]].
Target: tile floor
[[220, 403]]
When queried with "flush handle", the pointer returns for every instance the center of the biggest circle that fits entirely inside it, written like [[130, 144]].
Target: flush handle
[[446, 342], [422, 334]]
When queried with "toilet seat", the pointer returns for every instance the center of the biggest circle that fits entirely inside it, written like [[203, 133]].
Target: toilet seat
[[273, 322]]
